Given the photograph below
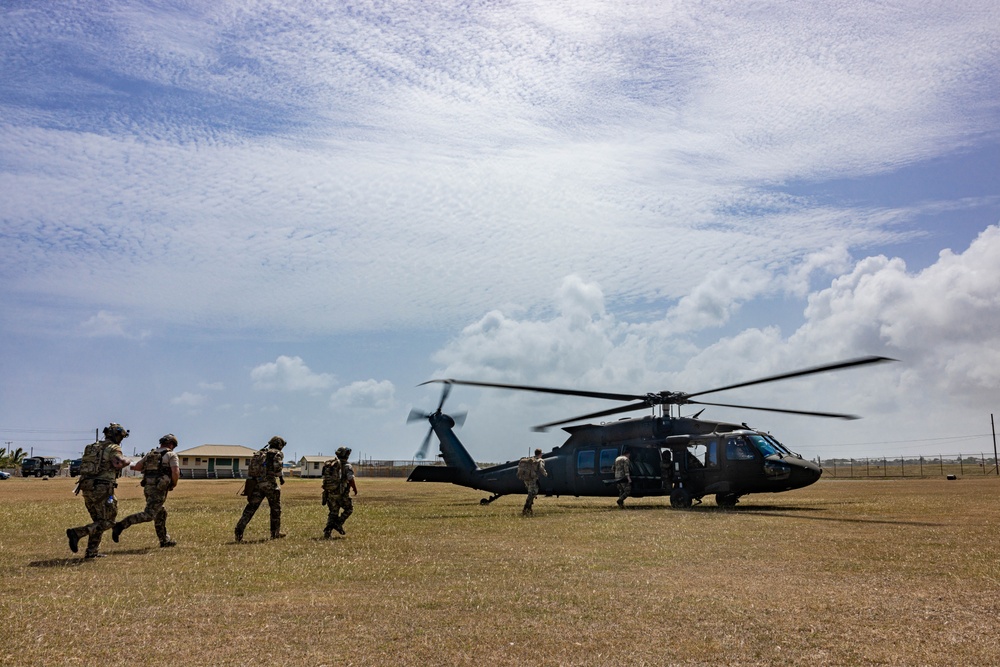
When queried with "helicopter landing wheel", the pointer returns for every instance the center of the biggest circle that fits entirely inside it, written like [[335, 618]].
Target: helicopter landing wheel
[[727, 500], [680, 498]]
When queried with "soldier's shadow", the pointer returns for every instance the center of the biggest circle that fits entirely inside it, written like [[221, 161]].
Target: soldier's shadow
[[79, 560]]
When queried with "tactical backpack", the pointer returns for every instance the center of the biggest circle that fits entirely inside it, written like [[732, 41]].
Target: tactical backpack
[[94, 461], [332, 473], [527, 469], [258, 464]]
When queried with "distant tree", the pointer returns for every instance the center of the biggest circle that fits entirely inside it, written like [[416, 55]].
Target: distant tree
[[13, 458]]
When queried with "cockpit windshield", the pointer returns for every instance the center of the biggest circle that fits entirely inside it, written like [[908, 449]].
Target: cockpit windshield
[[767, 447], [774, 441]]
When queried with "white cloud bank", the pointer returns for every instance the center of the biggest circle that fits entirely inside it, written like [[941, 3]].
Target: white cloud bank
[[289, 374], [942, 323]]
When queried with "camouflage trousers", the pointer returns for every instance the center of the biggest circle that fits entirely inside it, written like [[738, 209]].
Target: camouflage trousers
[[624, 491], [263, 489], [102, 505], [155, 511], [335, 518], [532, 486]]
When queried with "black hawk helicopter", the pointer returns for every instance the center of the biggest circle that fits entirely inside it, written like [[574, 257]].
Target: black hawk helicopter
[[685, 458]]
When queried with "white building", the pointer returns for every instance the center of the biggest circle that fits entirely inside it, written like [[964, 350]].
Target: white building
[[215, 461], [312, 466]]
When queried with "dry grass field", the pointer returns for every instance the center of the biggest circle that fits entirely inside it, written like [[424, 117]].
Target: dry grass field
[[902, 572]]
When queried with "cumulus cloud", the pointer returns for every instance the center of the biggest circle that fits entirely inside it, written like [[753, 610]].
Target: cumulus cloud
[[108, 324], [189, 400], [943, 323], [371, 394], [289, 374]]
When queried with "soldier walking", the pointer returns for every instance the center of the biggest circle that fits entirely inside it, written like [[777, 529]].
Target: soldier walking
[[529, 469], [160, 472], [622, 470], [263, 478], [338, 482], [101, 465]]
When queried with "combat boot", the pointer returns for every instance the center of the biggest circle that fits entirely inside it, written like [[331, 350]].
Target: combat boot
[[116, 530], [239, 534], [326, 534], [74, 540], [89, 556], [339, 527], [167, 543], [278, 535]]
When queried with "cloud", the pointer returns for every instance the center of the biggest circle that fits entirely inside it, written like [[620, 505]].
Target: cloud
[[189, 400], [211, 386], [371, 394], [943, 323], [289, 374], [107, 324]]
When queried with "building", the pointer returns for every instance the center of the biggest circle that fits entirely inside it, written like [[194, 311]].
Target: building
[[312, 466], [215, 461]]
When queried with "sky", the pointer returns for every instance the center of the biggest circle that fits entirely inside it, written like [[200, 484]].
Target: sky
[[233, 220]]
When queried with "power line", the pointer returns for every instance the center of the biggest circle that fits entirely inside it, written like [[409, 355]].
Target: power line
[[909, 441], [40, 430]]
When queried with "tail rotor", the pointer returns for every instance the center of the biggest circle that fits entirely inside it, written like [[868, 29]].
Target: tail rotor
[[415, 415]]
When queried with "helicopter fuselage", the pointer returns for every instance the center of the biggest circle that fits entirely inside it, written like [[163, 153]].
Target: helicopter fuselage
[[683, 458]]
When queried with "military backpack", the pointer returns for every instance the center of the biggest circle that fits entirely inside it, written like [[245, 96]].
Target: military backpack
[[95, 459], [333, 471], [258, 464], [527, 469]]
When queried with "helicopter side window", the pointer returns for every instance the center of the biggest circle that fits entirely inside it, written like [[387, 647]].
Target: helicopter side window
[[608, 457], [738, 449], [712, 454], [585, 462]]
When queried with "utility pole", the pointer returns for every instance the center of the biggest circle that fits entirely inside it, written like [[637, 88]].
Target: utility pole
[[996, 463]]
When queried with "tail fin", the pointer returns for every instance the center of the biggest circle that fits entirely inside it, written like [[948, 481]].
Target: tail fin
[[452, 450]]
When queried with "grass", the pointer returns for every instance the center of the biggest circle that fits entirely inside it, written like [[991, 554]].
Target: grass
[[902, 572]]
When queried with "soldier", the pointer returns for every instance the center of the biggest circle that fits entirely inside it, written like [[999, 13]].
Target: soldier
[[622, 471], [160, 472], [101, 465], [338, 481], [265, 473], [529, 469]]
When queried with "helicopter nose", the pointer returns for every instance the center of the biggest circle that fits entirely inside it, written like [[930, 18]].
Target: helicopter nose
[[805, 473]]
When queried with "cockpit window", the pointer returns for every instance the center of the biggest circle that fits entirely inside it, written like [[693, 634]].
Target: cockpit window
[[774, 441], [738, 449], [765, 446]]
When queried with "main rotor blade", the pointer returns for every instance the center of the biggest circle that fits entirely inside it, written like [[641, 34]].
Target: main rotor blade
[[834, 415], [861, 361], [603, 413], [545, 390], [422, 452], [459, 418]]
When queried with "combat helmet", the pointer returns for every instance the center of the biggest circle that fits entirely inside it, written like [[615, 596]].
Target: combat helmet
[[168, 439], [113, 430], [276, 442], [343, 453]]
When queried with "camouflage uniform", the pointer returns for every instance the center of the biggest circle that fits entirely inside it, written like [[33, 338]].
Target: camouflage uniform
[[338, 500], [265, 486], [622, 470], [98, 487], [157, 480], [531, 483]]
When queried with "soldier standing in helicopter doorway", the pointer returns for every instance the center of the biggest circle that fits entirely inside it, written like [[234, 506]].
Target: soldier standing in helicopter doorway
[[263, 478], [622, 471], [101, 466], [529, 469], [160, 472]]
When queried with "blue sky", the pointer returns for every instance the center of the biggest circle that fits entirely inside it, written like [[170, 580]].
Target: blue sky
[[229, 221]]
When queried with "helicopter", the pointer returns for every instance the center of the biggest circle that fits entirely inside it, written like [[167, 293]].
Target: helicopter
[[683, 458]]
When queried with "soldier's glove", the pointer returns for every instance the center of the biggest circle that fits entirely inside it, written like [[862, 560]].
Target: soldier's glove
[[281, 480]]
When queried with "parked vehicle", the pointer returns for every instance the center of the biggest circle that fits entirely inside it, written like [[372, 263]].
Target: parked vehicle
[[4, 475], [74, 467], [39, 466]]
